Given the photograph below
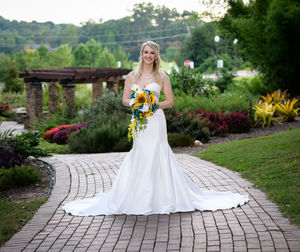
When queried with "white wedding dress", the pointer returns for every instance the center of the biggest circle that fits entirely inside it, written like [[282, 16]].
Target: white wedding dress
[[149, 180]]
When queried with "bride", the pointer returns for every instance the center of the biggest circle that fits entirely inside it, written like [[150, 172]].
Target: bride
[[149, 180]]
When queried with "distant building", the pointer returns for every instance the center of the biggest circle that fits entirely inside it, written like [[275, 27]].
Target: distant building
[[34, 47]]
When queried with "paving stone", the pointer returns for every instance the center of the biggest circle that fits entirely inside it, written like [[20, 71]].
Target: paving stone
[[255, 226]]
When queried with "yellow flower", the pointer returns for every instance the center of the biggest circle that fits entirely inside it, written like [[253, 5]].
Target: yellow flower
[[152, 99], [141, 98]]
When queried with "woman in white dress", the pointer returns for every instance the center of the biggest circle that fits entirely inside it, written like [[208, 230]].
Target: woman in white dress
[[149, 180]]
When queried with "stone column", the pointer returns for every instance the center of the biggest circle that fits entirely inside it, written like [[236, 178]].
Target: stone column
[[122, 83], [34, 103], [53, 97], [68, 99], [113, 86], [97, 90]]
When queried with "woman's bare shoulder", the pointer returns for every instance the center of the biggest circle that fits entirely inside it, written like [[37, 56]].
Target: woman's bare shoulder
[[164, 77], [131, 77]]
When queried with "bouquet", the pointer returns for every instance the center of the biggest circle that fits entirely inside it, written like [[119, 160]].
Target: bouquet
[[142, 103]]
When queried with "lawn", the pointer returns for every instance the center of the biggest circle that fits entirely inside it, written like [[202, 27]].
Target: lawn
[[13, 216], [272, 163]]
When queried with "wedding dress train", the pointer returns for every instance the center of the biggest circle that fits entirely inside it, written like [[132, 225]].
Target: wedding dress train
[[149, 180]]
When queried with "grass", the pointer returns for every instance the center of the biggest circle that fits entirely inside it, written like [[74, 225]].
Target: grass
[[54, 148], [272, 163], [14, 215]]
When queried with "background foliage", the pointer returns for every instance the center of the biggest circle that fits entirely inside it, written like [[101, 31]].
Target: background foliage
[[269, 34]]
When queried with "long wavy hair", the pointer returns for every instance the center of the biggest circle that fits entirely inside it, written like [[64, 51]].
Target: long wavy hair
[[156, 63]]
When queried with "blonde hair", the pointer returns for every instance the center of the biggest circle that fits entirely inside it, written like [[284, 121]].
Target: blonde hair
[[156, 64]]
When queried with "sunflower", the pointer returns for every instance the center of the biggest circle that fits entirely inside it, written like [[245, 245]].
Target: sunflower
[[141, 98]]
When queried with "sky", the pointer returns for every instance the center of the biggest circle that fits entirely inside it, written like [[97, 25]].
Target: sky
[[78, 11]]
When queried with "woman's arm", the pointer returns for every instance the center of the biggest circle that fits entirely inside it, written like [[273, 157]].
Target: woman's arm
[[167, 89], [127, 89]]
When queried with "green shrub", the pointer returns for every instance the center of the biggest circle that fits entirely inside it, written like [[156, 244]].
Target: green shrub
[[58, 118], [189, 81], [176, 139], [106, 106], [188, 124], [123, 145], [95, 140], [15, 149], [224, 81], [49, 126], [107, 122], [18, 176], [12, 81], [252, 84], [229, 101], [53, 147], [14, 99]]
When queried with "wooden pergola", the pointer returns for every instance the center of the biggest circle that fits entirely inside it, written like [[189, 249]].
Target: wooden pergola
[[67, 77]]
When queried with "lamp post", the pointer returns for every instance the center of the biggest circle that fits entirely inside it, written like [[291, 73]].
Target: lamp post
[[217, 39], [235, 54]]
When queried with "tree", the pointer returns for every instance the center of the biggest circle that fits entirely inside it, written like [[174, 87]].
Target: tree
[[12, 81], [269, 33], [106, 59], [62, 57], [123, 57], [81, 56], [5, 62], [199, 46]]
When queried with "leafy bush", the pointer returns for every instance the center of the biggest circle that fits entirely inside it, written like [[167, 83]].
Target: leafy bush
[[287, 111], [176, 139], [59, 118], [273, 108], [12, 81], [264, 114], [53, 147], [189, 81], [238, 122], [123, 145], [187, 123], [14, 150], [18, 176], [229, 101], [4, 109], [106, 106], [224, 81], [107, 123], [13, 98], [98, 139], [253, 84], [222, 123], [217, 122], [61, 134]]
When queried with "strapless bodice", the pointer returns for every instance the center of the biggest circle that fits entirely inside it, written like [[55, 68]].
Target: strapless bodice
[[153, 86]]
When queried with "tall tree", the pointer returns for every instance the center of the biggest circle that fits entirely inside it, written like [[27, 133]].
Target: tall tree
[[200, 45], [269, 33]]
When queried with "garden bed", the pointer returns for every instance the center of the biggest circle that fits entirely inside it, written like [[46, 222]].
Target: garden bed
[[254, 132], [39, 190]]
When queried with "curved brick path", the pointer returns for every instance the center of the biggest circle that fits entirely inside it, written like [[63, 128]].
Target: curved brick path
[[256, 226]]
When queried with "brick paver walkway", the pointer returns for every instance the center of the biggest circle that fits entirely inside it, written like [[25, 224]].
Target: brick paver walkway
[[256, 226]]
